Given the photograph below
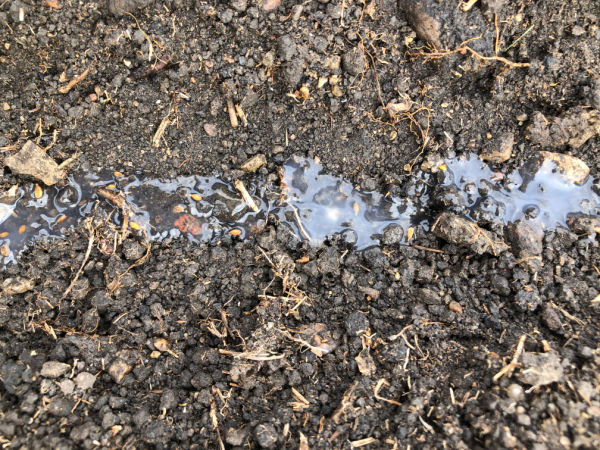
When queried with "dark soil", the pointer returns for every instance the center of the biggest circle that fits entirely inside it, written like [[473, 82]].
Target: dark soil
[[268, 342]]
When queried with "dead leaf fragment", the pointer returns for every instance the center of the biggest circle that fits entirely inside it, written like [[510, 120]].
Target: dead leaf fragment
[[365, 363]]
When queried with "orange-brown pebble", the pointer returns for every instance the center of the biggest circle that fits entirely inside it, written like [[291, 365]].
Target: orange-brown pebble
[[37, 191], [455, 306], [235, 232], [22, 229]]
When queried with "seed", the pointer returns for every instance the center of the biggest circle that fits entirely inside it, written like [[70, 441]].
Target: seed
[[135, 226], [356, 208], [61, 218], [196, 197], [118, 174], [111, 186], [443, 167], [22, 229], [37, 191], [5, 250], [178, 209], [235, 232], [3, 234], [409, 233]]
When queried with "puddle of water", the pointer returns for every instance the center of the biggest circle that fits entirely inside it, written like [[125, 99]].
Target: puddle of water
[[545, 197], [316, 205]]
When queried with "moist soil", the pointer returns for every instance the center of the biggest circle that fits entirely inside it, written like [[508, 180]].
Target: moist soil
[[267, 342]]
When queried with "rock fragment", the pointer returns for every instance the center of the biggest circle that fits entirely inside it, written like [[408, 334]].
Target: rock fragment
[[292, 71], [270, 5], [572, 169], [498, 150], [17, 285], [354, 61], [392, 235], [60, 406], [33, 161], [85, 380], [121, 366], [584, 224], [428, 296], [465, 233], [575, 127], [551, 319], [287, 47], [54, 369], [254, 163], [540, 369], [66, 387], [236, 437], [356, 322], [266, 435], [526, 241], [118, 370], [239, 5]]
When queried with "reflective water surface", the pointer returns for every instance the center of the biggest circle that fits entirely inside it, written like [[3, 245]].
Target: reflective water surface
[[314, 204]]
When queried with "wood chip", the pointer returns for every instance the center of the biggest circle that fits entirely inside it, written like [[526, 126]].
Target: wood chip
[[232, 116]]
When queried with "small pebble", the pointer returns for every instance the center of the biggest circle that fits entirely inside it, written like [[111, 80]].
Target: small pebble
[[54, 369], [515, 392]]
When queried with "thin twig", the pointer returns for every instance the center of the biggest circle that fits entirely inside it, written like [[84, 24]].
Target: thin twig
[[512, 365], [299, 222], [78, 79], [239, 185]]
